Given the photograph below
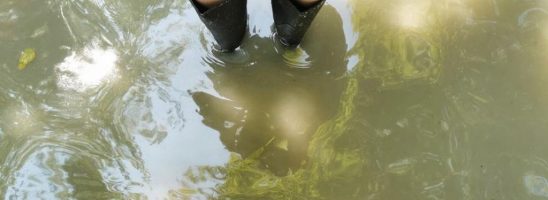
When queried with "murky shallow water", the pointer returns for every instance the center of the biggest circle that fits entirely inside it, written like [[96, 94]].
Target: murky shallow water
[[384, 100]]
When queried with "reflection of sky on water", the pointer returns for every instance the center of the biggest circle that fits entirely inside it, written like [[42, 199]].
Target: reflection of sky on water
[[142, 144], [344, 10], [44, 167], [168, 145], [536, 185]]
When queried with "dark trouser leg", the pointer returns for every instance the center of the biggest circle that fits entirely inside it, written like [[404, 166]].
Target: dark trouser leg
[[292, 20], [227, 22]]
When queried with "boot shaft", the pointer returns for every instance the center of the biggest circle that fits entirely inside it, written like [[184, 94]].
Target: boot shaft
[[227, 22]]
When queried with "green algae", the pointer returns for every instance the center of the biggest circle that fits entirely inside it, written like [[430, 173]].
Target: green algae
[[337, 169]]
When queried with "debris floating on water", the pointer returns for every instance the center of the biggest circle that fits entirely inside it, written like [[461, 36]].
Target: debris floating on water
[[401, 167], [40, 31], [27, 56]]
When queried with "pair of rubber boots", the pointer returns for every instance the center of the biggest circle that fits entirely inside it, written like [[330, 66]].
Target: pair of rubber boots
[[228, 21]]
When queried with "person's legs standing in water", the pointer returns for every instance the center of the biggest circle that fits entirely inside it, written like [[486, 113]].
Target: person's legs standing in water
[[213, 3], [227, 19]]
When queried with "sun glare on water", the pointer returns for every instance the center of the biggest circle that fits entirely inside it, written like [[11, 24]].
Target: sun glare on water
[[294, 114], [87, 69], [411, 15]]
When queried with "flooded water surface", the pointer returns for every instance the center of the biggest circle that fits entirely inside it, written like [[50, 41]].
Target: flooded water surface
[[394, 99]]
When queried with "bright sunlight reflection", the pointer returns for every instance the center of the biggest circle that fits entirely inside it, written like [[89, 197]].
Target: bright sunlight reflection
[[411, 14], [87, 69], [294, 114]]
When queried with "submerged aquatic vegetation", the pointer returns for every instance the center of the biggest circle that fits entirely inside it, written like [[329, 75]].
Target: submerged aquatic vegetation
[[337, 165], [417, 51]]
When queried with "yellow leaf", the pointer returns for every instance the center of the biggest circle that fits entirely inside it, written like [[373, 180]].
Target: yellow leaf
[[27, 56]]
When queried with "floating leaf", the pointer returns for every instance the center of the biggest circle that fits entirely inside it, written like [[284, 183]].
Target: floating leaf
[[27, 56]]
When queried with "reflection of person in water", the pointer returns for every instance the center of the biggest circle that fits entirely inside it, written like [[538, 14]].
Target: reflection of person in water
[[227, 19], [266, 104]]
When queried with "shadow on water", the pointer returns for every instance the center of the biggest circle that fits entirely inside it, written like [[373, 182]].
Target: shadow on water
[[277, 97]]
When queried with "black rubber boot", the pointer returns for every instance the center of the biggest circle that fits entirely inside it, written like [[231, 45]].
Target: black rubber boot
[[292, 21], [227, 22]]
